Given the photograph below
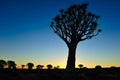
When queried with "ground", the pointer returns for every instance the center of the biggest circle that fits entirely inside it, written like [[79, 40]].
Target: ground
[[60, 74]]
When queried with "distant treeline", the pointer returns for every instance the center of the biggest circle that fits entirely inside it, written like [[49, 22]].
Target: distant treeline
[[12, 65]]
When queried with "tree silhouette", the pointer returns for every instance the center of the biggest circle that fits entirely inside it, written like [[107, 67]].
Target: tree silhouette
[[98, 67], [2, 64], [30, 65], [57, 67], [80, 66], [49, 66], [11, 64], [22, 66], [39, 66], [73, 25]]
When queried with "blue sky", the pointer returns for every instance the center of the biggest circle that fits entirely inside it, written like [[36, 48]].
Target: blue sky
[[25, 35]]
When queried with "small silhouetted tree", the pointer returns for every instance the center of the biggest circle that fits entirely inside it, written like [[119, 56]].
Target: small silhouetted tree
[[11, 64], [113, 67], [98, 67], [80, 66], [74, 25], [85, 68], [2, 64], [57, 67], [22, 66], [49, 66], [39, 66], [30, 65]]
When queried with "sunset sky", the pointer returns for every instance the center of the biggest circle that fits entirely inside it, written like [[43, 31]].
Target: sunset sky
[[26, 36]]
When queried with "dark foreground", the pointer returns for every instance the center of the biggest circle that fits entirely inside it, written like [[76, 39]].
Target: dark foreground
[[61, 74]]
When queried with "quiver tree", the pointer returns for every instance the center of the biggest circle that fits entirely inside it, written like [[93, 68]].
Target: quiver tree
[[11, 64], [30, 66], [39, 66], [22, 66], [80, 66], [3, 63], [49, 66], [73, 25]]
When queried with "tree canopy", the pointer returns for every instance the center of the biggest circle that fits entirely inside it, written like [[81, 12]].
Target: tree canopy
[[75, 23]]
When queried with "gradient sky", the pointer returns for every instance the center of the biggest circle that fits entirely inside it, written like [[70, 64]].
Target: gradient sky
[[25, 35]]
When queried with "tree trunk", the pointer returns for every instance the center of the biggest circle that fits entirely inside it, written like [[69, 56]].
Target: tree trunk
[[71, 57]]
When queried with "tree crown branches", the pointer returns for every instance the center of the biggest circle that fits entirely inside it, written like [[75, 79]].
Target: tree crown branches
[[75, 24]]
